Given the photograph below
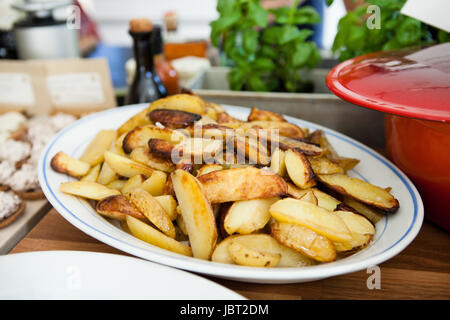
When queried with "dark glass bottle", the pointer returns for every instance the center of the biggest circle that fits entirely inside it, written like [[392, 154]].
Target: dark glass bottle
[[146, 85]]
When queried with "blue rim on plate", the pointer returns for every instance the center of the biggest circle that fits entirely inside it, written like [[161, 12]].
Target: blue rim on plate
[[246, 272]]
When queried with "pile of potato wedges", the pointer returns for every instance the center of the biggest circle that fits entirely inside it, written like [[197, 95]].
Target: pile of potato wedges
[[186, 176]]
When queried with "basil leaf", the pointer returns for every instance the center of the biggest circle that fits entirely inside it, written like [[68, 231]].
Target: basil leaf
[[250, 40]]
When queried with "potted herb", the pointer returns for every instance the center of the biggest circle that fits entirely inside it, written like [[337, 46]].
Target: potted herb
[[396, 31], [266, 57]]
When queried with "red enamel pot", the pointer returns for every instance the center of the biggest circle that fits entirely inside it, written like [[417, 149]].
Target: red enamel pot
[[412, 86]]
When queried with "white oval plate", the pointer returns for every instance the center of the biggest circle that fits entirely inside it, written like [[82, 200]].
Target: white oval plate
[[394, 232], [91, 275]]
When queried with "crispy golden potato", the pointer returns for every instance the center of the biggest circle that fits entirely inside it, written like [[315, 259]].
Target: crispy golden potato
[[92, 174], [304, 240], [264, 115], [144, 156], [117, 207], [97, 147], [295, 192], [169, 204], [329, 152], [224, 117], [152, 210], [286, 143], [277, 163], [323, 165], [253, 150], [150, 235], [181, 224], [197, 149], [63, 163], [362, 191], [174, 119], [310, 197], [311, 216], [140, 136], [155, 183], [87, 189], [209, 167], [161, 148], [183, 102], [298, 168], [246, 256], [116, 184], [325, 201], [242, 184], [133, 183], [362, 231], [366, 211], [285, 129], [248, 216], [140, 119], [197, 213], [289, 257], [106, 174], [126, 167]]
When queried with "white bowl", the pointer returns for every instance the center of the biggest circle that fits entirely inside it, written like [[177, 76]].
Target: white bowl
[[394, 232], [93, 275]]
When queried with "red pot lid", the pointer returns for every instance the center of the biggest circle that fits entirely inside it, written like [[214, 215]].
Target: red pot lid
[[413, 82]]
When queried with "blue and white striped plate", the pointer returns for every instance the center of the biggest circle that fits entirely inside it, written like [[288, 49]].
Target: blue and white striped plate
[[394, 232]]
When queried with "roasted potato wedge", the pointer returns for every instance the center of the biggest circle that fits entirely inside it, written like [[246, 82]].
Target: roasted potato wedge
[[289, 257], [140, 119], [155, 183], [126, 167], [63, 163], [197, 213], [169, 204], [362, 231], [304, 240], [87, 189], [362, 191], [106, 174], [209, 167], [174, 119], [285, 129], [254, 151], [246, 256], [325, 201], [310, 197], [197, 149], [264, 115], [133, 183], [311, 216], [92, 174], [248, 216], [117, 207], [116, 184], [152, 210], [140, 136], [224, 117], [323, 165], [286, 143], [146, 233], [366, 211], [183, 102], [277, 163], [234, 184], [162, 149], [93, 154], [298, 168], [144, 156]]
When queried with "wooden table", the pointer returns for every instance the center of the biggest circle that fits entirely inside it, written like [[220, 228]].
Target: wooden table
[[421, 271]]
